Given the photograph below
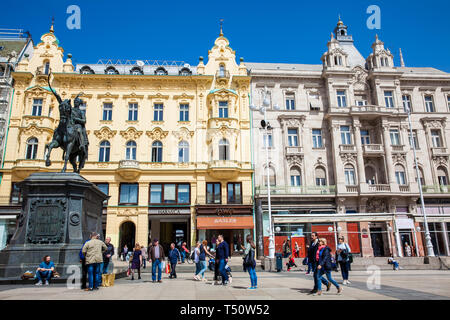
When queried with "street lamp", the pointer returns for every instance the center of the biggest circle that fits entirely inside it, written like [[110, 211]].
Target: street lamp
[[430, 251], [266, 126]]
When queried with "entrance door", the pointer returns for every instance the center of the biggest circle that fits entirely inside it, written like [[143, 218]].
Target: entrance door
[[405, 237], [127, 235], [377, 242], [175, 232]]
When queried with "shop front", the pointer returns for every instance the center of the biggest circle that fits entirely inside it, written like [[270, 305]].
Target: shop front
[[233, 222]]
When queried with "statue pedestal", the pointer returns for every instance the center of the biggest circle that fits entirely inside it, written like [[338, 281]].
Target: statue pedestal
[[59, 211]]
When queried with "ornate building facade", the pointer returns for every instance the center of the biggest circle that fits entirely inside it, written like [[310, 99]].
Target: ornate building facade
[[340, 157], [169, 142]]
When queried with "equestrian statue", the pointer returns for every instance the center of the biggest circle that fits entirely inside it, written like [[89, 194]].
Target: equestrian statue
[[70, 135]]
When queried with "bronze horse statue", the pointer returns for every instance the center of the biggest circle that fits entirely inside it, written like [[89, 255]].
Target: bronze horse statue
[[66, 136]]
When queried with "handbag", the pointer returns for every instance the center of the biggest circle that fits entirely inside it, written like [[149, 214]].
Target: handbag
[[249, 259], [163, 265], [350, 256]]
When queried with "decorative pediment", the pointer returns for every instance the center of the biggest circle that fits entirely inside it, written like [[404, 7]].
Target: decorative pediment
[[295, 160], [105, 133], [399, 158], [223, 93], [157, 134], [31, 130], [434, 123], [133, 96], [107, 95], [376, 206], [440, 161], [131, 133], [128, 212], [183, 96], [291, 121], [348, 157], [183, 134], [158, 96], [37, 91]]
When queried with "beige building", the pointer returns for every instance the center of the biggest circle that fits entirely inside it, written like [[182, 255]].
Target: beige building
[[340, 157], [169, 142]]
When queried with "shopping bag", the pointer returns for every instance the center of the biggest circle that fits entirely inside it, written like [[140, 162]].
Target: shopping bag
[[108, 279], [163, 265], [167, 268]]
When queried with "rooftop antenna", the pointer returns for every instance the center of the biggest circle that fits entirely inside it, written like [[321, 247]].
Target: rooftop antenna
[[53, 22], [221, 27]]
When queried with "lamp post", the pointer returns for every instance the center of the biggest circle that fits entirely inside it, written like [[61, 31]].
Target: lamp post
[[266, 126], [429, 245]]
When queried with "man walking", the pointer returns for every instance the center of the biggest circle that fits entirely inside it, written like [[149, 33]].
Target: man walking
[[107, 254], [312, 253], [93, 252], [223, 251], [157, 256], [84, 269], [174, 255]]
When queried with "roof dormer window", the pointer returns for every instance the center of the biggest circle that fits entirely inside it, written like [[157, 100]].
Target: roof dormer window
[[185, 72], [136, 71], [111, 70], [161, 71]]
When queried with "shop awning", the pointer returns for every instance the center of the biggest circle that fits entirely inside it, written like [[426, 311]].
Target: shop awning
[[231, 222]]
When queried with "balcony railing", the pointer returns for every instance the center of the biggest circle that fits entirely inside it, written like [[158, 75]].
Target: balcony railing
[[223, 74], [379, 188], [439, 151], [398, 148], [404, 188], [347, 148], [128, 164], [436, 189], [288, 190], [294, 150], [352, 189], [373, 148]]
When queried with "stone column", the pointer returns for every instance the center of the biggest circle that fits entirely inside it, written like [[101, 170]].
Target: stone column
[[338, 166], [360, 158], [259, 228], [445, 237], [388, 156]]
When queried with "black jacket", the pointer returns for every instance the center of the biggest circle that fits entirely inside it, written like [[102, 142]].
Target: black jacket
[[312, 250], [109, 250], [325, 259]]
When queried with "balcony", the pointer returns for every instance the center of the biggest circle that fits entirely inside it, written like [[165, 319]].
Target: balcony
[[398, 149], [373, 149], [439, 151], [294, 151], [222, 74], [436, 189], [379, 188], [373, 111], [300, 190], [347, 148], [224, 169], [404, 188], [351, 189], [129, 169]]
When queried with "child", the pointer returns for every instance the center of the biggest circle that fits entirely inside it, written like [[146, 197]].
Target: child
[[291, 263], [394, 263]]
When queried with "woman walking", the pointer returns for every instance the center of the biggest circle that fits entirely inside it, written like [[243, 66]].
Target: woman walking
[[323, 258], [250, 262], [203, 251], [136, 262], [343, 257], [144, 257]]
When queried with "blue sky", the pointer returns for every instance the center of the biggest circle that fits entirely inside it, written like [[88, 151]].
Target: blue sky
[[259, 31]]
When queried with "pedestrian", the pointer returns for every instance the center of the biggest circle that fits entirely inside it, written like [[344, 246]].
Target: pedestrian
[[343, 257], [144, 257], [107, 255], [93, 251], [394, 263], [286, 249], [84, 270], [223, 252], [136, 261], [297, 250], [203, 266], [308, 262], [250, 262], [291, 263], [312, 253], [216, 265], [45, 271], [157, 256], [124, 252], [184, 252], [408, 250], [174, 255], [323, 258]]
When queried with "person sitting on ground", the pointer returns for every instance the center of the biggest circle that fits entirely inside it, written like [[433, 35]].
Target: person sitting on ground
[[394, 263], [45, 270]]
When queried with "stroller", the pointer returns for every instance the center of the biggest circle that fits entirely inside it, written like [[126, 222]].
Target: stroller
[[211, 264]]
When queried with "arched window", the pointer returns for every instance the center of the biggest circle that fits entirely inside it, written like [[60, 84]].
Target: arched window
[[400, 174], [183, 151], [103, 155], [442, 176], [131, 150], [321, 176], [46, 67], [224, 150], [222, 71], [86, 70], [111, 70], [157, 148], [136, 71], [370, 175], [296, 179], [350, 177], [422, 180], [185, 72], [272, 177], [32, 146]]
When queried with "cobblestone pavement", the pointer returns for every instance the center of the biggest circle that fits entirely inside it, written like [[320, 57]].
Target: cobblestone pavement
[[294, 285]]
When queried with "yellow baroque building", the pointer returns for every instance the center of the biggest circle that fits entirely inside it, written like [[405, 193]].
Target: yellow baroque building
[[168, 142]]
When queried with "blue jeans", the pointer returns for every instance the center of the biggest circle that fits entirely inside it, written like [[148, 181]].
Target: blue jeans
[[144, 263], [317, 278], [309, 267], [253, 278], [344, 269], [202, 268], [183, 256], [105, 267], [94, 274], [328, 274], [222, 270], [197, 267], [155, 264], [46, 275]]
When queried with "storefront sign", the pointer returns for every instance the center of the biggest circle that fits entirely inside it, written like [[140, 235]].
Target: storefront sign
[[240, 222], [169, 211]]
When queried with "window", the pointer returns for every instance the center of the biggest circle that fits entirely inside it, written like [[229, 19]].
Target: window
[[183, 151], [406, 102], [169, 193], [129, 193], [422, 180], [436, 138], [16, 194], [37, 107], [448, 101], [400, 174], [136, 71], [160, 71], [338, 60], [111, 70], [132, 112], [213, 193], [345, 135], [321, 176], [290, 102], [389, 99], [103, 155], [365, 137], [158, 112], [104, 187], [234, 195], [317, 138], [272, 177], [429, 105], [157, 151], [293, 137], [415, 141], [185, 72], [223, 109], [222, 72], [341, 98], [32, 146], [350, 179], [156, 193], [130, 150], [183, 194], [107, 111], [47, 67], [296, 180], [442, 176], [395, 137], [224, 150], [265, 137], [184, 112]]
